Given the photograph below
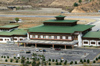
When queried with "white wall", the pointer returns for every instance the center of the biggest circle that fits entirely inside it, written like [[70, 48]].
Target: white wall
[[80, 40], [89, 43], [4, 39]]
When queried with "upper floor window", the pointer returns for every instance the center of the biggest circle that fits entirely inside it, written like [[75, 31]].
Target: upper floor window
[[63, 37], [58, 37], [36, 36]]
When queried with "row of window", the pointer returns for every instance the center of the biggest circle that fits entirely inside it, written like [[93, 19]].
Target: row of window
[[50, 37], [15, 39], [86, 42]]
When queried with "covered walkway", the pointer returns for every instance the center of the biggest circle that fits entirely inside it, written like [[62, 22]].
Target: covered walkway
[[48, 42]]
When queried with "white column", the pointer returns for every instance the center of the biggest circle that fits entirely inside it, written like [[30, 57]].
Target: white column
[[80, 40], [28, 36]]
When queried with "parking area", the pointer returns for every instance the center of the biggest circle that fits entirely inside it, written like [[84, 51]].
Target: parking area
[[69, 54]]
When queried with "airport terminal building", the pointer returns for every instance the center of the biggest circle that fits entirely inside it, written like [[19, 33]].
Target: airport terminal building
[[58, 32]]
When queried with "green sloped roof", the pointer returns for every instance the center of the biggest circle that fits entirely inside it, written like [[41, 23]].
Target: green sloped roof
[[14, 32], [92, 34], [8, 26], [60, 16], [54, 20], [60, 29]]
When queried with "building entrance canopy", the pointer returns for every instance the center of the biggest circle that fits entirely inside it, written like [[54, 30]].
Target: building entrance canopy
[[49, 42]]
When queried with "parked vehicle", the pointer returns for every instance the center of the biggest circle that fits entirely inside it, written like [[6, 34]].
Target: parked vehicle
[[28, 51], [44, 50], [40, 50], [37, 50], [22, 51]]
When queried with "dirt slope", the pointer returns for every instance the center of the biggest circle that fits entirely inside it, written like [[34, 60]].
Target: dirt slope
[[85, 6]]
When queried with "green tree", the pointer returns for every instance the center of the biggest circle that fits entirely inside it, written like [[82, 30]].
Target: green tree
[[56, 63], [84, 60], [94, 61], [53, 60], [17, 19], [11, 60], [88, 61], [56, 60], [49, 59], [80, 1], [6, 60], [49, 63], [81, 60], [7, 56], [75, 4], [17, 61], [75, 62], [71, 62]]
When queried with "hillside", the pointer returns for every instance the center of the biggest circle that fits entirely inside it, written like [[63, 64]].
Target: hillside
[[85, 6]]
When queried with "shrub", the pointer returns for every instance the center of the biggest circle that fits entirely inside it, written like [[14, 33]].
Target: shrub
[[75, 4], [1, 56], [7, 56], [16, 61], [18, 57], [60, 63], [71, 62], [88, 61], [49, 63], [75, 62], [99, 57], [56, 63], [81, 60], [56, 60], [28, 62], [27, 58], [6, 60], [14, 57], [44, 59], [53, 60], [17, 19], [49, 59], [94, 61], [84, 60], [4, 56], [11, 60], [65, 63]]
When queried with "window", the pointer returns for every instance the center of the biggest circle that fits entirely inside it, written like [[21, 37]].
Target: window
[[41, 36], [15, 38], [36, 36], [92, 42], [69, 37], [6, 39], [63, 37], [33, 36], [21, 39], [99, 43], [1, 39], [47, 37], [58, 37], [85, 42], [30, 36], [52, 37]]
